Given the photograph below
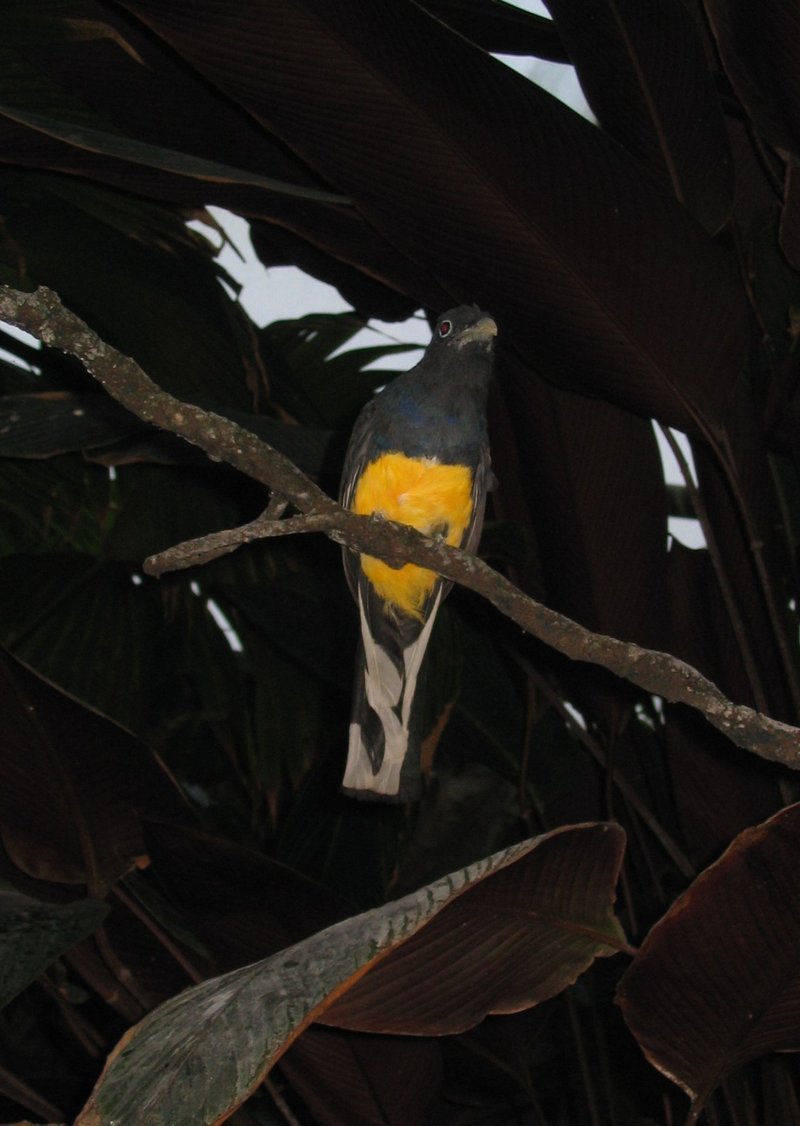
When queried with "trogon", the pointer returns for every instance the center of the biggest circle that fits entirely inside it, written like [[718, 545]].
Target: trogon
[[419, 455]]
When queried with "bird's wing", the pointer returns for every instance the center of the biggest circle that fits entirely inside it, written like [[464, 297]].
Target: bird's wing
[[358, 454], [481, 483]]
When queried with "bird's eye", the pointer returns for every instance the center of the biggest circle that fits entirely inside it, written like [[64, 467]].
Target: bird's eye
[[445, 328]]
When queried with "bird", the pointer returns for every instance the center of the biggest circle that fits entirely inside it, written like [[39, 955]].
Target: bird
[[419, 455]]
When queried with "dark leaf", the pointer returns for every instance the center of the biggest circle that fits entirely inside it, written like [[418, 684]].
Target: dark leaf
[[312, 620], [85, 627], [605, 566], [151, 287], [352, 851], [743, 512], [64, 505], [517, 940], [44, 424], [124, 84], [159, 506], [276, 246], [242, 904], [56, 74], [467, 163], [718, 791], [315, 385], [486, 728], [759, 56], [152, 156], [500, 27], [54, 422], [74, 786], [716, 982], [360, 1079], [626, 53], [464, 814], [790, 218]]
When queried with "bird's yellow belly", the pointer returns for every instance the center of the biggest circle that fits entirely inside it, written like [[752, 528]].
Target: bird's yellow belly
[[435, 499]]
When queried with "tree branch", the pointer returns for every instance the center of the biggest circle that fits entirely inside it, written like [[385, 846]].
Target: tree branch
[[42, 314], [659, 674]]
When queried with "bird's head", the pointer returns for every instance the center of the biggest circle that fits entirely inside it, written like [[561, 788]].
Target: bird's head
[[462, 327]]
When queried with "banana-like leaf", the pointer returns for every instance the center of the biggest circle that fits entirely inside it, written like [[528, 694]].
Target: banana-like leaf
[[541, 911], [626, 52], [462, 163], [717, 981]]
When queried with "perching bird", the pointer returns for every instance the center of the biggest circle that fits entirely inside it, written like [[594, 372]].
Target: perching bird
[[419, 454]]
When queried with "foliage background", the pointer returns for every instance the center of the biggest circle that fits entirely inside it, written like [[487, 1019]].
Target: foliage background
[[643, 269]]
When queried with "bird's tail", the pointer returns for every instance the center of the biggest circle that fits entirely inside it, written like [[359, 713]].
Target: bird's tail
[[383, 751]]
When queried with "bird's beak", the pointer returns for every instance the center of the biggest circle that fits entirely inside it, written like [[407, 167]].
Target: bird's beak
[[484, 329]]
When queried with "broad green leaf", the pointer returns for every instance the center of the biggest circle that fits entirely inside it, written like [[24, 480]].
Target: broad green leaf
[[34, 934], [244, 906], [195, 1059]]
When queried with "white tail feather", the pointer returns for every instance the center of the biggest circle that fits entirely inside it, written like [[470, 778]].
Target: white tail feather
[[412, 658], [383, 682], [358, 773], [384, 687]]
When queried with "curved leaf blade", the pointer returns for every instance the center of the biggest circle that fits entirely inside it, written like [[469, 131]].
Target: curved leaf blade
[[74, 786], [501, 28], [626, 53], [759, 47], [156, 156], [514, 941], [197, 1057], [717, 981], [462, 163]]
